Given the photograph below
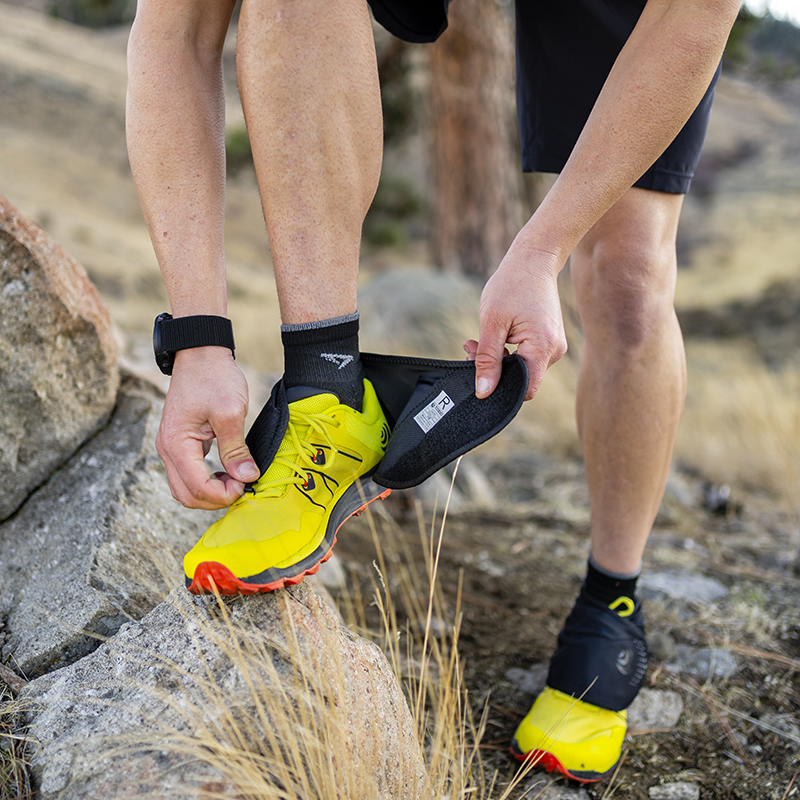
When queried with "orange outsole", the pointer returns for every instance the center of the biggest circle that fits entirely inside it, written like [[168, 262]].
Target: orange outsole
[[550, 763], [211, 577]]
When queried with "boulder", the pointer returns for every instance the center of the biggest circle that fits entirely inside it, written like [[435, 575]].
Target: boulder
[[58, 373], [87, 550], [241, 697]]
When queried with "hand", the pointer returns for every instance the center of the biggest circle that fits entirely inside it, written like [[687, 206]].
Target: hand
[[519, 305], [207, 399]]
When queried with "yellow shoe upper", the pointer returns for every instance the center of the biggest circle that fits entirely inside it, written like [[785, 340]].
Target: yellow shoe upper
[[326, 447], [583, 737]]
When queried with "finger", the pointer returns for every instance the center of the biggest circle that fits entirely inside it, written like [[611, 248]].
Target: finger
[[538, 358], [471, 349], [181, 492], [189, 477], [233, 452], [488, 358]]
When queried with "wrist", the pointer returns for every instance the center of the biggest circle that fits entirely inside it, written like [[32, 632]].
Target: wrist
[[532, 253], [199, 356]]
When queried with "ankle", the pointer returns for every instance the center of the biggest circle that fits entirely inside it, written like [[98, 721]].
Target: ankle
[[325, 355], [606, 587]]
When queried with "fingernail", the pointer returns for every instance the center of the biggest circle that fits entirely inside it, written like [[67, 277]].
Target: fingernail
[[483, 387], [249, 471]]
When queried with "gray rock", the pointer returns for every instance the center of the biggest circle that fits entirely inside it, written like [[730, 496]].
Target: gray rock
[[681, 586], [654, 709], [86, 551], [661, 645], [58, 373], [531, 680], [439, 491], [680, 790], [542, 788], [679, 491], [332, 574], [703, 662], [470, 491], [202, 699], [422, 311]]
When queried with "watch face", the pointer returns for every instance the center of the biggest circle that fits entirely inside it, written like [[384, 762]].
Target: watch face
[[164, 360]]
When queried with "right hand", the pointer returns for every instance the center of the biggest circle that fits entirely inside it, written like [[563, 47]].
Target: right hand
[[207, 399]]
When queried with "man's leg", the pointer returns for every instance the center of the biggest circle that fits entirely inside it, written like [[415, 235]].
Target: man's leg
[[633, 375], [630, 395], [309, 86]]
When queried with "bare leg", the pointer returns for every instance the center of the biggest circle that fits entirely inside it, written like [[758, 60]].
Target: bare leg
[[309, 84], [633, 376], [175, 125]]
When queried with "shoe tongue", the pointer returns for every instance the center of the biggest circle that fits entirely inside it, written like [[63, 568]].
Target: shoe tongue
[[295, 393]]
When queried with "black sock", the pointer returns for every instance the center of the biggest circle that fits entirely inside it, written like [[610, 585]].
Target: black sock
[[606, 586], [324, 355]]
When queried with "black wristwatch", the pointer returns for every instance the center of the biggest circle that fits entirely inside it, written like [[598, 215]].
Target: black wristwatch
[[171, 335]]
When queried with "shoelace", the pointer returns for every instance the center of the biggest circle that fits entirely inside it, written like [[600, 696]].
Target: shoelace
[[301, 455]]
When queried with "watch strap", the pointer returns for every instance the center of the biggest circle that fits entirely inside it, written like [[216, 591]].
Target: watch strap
[[184, 333]]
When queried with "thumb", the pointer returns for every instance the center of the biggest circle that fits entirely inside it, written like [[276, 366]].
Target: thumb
[[233, 452], [488, 359]]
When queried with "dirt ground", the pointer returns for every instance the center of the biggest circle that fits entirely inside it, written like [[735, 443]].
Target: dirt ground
[[519, 567]]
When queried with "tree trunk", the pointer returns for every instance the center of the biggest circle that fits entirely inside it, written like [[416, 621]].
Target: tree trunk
[[476, 193]]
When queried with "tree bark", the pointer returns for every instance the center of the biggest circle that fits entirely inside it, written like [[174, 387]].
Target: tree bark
[[476, 192]]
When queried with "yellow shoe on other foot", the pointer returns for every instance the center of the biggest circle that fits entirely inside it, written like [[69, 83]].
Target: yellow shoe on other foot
[[285, 527], [566, 735]]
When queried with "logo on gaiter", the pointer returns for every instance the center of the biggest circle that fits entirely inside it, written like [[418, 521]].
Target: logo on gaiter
[[625, 661]]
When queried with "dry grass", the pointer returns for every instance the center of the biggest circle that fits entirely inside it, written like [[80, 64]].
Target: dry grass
[[741, 424], [14, 776]]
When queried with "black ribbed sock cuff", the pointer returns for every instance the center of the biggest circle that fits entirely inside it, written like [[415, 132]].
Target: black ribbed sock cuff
[[606, 587], [325, 355]]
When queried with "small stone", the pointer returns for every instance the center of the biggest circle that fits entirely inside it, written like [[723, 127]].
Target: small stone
[[332, 574], [681, 586], [654, 709], [531, 680], [474, 485], [541, 788], [680, 790], [661, 645], [437, 492], [703, 662]]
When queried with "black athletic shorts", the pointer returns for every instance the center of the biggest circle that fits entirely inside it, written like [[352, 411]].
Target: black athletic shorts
[[565, 50]]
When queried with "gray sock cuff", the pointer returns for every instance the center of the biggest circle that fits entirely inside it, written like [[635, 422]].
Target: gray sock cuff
[[324, 323], [617, 576]]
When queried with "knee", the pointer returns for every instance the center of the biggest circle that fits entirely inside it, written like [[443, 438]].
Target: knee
[[625, 290], [196, 29]]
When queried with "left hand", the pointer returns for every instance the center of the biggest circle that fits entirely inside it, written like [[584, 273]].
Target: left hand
[[519, 305]]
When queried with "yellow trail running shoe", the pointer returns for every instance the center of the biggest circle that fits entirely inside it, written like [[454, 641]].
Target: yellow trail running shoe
[[285, 526], [566, 735]]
